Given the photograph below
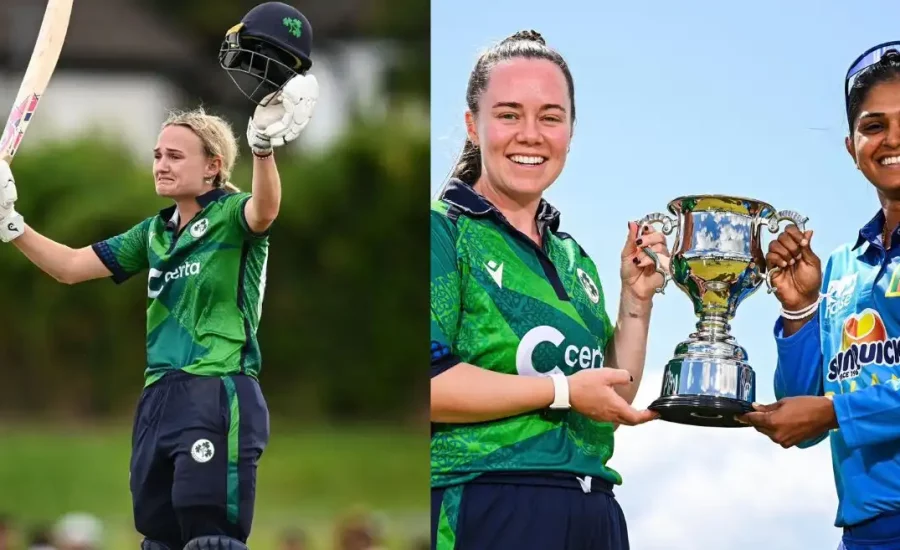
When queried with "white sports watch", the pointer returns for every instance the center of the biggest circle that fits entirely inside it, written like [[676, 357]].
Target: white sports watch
[[560, 391]]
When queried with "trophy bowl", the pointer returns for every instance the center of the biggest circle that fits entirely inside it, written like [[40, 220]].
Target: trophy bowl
[[717, 260]]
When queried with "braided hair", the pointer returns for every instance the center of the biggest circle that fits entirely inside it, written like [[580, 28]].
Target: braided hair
[[523, 44]]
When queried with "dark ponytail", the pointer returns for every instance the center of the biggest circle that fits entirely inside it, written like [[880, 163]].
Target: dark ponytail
[[526, 44]]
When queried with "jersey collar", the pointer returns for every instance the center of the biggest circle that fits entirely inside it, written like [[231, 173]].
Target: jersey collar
[[871, 232], [461, 195], [169, 214]]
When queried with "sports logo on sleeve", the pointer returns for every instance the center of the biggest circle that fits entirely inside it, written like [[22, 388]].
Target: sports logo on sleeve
[[864, 342]]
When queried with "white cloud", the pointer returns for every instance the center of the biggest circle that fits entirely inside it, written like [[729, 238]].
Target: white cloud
[[692, 488], [733, 238], [704, 240], [732, 234]]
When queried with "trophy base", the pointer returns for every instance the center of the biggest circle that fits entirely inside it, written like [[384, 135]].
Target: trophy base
[[701, 410]]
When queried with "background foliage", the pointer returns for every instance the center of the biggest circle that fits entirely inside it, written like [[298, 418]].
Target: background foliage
[[345, 295]]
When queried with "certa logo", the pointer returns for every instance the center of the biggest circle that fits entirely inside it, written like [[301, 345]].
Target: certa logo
[[158, 279], [573, 356], [864, 341]]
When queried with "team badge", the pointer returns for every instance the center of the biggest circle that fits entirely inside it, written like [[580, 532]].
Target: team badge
[[200, 228], [590, 288], [203, 450]]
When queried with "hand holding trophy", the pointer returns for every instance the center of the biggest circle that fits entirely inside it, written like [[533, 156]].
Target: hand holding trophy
[[645, 262], [717, 261], [798, 269]]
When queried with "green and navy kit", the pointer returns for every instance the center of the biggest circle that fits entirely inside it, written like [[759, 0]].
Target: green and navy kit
[[503, 303], [851, 351], [205, 286]]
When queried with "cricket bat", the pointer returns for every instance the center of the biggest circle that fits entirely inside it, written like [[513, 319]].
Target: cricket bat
[[37, 76]]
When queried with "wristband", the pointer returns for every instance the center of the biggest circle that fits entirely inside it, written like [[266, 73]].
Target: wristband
[[560, 391], [801, 313]]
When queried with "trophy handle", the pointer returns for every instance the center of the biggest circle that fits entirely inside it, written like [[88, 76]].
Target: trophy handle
[[668, 224], [774, 224]]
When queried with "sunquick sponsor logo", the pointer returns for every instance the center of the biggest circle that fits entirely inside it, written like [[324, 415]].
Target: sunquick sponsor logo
[[583, 357], [864, 342], [158, 279]]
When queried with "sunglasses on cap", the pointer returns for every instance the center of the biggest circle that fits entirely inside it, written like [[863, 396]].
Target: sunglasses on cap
[[871, 57]]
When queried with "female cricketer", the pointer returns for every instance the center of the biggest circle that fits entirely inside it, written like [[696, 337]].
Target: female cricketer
[[202, 422], [529, 378], [838, 336]]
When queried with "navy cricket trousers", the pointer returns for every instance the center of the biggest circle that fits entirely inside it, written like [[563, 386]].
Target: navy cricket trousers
[[506, 512], [195, 448]]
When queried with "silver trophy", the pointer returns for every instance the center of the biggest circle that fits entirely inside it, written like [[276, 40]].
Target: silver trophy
[[717, 260]]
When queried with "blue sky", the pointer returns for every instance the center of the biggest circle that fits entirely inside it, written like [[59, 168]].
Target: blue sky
[[676, 98]]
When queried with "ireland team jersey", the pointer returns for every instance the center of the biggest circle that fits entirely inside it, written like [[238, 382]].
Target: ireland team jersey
[[500, 302], [851, 351], [205, 286]]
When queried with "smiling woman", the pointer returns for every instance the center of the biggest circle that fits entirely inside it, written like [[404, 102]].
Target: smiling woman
[[530, 378], [836, 371]]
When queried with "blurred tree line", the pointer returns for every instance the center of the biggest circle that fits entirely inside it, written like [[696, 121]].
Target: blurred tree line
[[345, 308], [406, 23]]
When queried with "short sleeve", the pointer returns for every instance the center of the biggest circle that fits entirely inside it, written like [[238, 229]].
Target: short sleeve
[[445, 294], [126, 254], [234, 207]]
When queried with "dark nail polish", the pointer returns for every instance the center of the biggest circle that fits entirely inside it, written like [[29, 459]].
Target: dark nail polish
[[635, 260], [639, 241]]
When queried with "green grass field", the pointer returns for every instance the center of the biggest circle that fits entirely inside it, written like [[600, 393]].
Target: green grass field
[[306, 479]]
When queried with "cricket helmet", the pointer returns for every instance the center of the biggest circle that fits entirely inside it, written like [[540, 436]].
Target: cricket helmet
[[271, 45]]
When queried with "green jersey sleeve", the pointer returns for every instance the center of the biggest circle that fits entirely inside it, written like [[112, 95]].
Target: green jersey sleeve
[[234, 206], [126, 254], [445, 294]]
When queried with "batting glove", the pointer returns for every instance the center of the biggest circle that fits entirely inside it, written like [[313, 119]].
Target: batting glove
[[259, 142], [297, 101], [12, 225]]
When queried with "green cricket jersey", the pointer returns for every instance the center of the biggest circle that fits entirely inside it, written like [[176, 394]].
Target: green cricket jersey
[[205, 286], [500, 302]]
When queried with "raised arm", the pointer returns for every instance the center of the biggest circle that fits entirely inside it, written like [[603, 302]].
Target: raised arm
[[66, 265], [273, 125], [627, 349]]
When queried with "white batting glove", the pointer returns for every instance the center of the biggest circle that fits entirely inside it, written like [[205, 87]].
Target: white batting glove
[[296, 103], [259, 142], [12, 225]]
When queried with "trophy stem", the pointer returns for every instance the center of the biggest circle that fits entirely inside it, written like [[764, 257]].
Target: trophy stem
[[713, 327]]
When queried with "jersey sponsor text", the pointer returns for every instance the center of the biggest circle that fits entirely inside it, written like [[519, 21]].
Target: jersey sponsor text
[[184, 270], [584, 357]]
